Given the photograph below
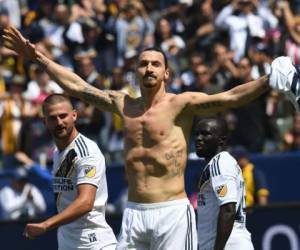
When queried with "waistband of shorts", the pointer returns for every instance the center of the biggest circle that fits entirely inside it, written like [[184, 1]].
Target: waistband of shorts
[[145, 206]]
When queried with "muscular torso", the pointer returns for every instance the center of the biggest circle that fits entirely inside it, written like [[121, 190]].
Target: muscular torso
[[155, 149]]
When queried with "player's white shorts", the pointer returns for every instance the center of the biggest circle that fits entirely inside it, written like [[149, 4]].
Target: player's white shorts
[[166, 225], [239, 239], [86, 239]]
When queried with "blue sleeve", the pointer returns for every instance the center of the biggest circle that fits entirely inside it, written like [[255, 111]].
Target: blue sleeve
[[40, 176]]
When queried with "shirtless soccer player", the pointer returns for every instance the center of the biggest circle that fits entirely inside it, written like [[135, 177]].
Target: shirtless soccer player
[[157, 128]]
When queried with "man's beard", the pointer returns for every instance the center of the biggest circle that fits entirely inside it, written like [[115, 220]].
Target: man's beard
[[61, 134]]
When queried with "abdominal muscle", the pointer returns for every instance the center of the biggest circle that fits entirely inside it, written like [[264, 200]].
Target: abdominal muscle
[[155, 175]]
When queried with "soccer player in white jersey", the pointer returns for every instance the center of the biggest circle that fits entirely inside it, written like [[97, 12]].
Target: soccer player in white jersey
[[221, 197], [79, 183]]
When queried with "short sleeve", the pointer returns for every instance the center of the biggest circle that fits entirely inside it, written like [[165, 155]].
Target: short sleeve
[[223, 172], [90, 170]]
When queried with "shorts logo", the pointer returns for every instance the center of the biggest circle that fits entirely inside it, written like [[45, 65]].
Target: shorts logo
[[90, 171], [221, 190], [92, 237], [201, 199]]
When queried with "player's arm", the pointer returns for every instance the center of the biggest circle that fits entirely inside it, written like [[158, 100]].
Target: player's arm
[[69, 81], [81, 205], [225, 224], [202, 104], [223, 174]]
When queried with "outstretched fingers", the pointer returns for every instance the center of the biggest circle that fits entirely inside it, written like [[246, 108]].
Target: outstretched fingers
[[17, 34], [8, 39], [11, 34], [15, 41], [11, 44]]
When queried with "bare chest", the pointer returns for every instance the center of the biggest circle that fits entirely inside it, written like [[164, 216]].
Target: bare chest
[[148, 128]]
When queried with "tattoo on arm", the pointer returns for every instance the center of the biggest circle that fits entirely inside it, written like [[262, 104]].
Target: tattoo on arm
[[105, 100], [175, 161], [91, 97], [43, 62], [209, 105], [115, 94]]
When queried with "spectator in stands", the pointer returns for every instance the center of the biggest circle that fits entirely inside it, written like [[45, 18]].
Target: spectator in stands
[[221, 64], [134, 30], [82, 38], [251, 117], [292, 37], [201, 31], [244, 20], [280, 115], [90, 120], [37, 33], [82, 8], [188, 76], [292, 137], [13, 8], [41, 86], [172, 44], [260, 58], [203, 81], [33, 129], [257, 193], [13, 109], [8, 59], [21, 199], [87, 70], [54, 32]]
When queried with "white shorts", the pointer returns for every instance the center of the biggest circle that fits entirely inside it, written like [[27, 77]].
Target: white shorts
[[239, 239], [86, 239], [166, 225]]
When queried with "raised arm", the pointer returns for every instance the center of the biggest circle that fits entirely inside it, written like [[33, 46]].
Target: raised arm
[[203, 104], [69, 81]]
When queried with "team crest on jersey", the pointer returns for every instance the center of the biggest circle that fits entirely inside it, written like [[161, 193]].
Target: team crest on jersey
[[90, 171], [221, 190]]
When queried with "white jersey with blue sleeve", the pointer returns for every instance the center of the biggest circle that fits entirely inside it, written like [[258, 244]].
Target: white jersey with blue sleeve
[[221, 182]]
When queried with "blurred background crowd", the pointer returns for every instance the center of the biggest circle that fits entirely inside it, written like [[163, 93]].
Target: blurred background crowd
[[211, 46]]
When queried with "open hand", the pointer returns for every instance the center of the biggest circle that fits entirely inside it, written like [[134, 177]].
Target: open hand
[[14, 40]]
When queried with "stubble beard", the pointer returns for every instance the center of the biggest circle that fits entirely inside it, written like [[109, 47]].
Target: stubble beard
[[150, 84], [62, 134]]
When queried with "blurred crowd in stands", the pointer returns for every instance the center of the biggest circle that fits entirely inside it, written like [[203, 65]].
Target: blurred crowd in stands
[[211, 46]]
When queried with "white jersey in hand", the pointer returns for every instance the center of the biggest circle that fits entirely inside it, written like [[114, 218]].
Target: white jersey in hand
[[221, 182]]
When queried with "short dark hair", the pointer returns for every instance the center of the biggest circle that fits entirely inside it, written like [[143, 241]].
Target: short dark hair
[[221, 125], [54, 99], [160, 51]]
